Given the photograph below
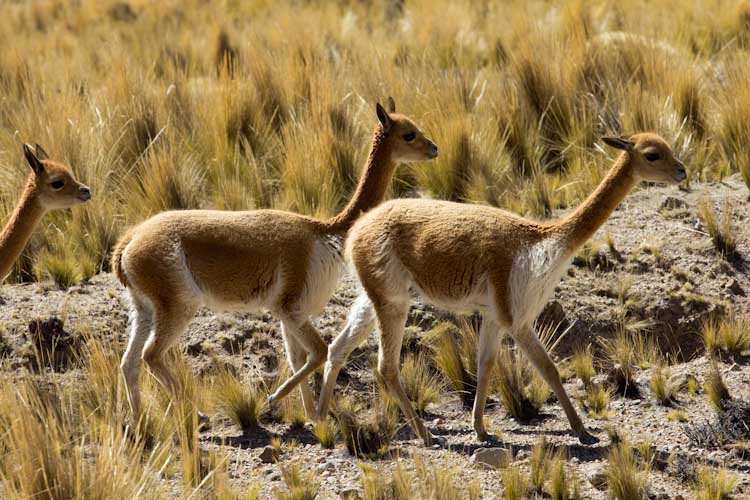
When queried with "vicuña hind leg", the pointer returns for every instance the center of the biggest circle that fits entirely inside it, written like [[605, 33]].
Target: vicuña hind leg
[[307, 336], [392, 318], [489, 342], [169, 324], [141, 321], [296, 356], [528, 341], [360, 323]]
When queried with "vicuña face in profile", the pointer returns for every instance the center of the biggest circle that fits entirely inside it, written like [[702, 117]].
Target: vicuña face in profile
[[56, 185], [408, 143], [653, 159]]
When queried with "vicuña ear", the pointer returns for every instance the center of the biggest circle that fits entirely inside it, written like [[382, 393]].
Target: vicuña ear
[[391, 105], [619, 143], [34, 163], [41, 154], [385, 119]]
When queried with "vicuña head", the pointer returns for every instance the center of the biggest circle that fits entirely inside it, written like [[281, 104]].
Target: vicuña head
[[473, 257], [408, 143], [651, 158], [51, 185], [287, 263]]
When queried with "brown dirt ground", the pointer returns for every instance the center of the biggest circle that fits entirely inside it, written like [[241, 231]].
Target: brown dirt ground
[[675, 277]]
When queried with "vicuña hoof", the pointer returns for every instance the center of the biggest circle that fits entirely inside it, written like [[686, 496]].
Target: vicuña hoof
[[435, 440], [487, 437], [585, 438]]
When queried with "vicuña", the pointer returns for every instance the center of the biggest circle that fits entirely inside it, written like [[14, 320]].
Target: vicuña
[[51, 186], [287, 263], [471, 257]]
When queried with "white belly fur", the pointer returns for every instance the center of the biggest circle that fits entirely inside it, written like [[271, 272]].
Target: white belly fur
[[533, 278]]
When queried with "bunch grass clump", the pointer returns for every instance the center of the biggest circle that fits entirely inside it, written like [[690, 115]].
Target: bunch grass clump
[[582, 363], [627, 477], [714, 484], [367, 431], [720, 229], [422, 385], [729, 335], [243, 403], [663, 386], [522, 390], [454, 353]]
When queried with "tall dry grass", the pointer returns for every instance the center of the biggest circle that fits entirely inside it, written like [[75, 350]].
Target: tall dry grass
[[242, 105]]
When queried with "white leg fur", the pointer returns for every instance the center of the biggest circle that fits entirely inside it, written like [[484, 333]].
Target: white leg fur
[[141, 323], [296, 356], [359, 325], [489, 343]]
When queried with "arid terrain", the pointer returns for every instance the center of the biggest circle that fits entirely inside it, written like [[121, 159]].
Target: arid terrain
[[259, 104], [675, 281]]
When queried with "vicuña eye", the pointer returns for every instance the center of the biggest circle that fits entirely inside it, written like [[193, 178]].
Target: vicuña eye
[[409, 137], [652, 156], [57, 184]]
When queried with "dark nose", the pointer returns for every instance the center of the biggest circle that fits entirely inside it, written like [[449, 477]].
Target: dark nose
[[433, 152], [681, 172], [84, 193]]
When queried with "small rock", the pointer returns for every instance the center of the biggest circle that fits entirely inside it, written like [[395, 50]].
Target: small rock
[[598, 478], [735, 288], [350, 494], [522, 455], [492, 458], [269, 455], [275, 476], [327, 466], [671, 203], [195, 347]]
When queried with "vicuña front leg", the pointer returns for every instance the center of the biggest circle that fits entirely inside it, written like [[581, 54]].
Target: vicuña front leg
[[310, 340], [296, 356], [489, 343], [529, 342], [360, 323]]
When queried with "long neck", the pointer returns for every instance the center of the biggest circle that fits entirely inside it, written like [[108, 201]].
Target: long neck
[[581, 225], [19, 228], [372, 186]]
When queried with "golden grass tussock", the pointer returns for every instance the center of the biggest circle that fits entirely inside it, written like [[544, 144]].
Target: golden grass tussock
[[627, 476], [82, 450], [192, 106]]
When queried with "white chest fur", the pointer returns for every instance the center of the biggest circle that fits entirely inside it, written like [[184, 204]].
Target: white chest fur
[[326, 267], [535, 273]]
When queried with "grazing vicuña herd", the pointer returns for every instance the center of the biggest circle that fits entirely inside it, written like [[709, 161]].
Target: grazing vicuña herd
[[461, 257]]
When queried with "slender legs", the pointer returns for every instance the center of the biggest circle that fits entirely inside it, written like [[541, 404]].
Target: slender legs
[[392, 318], [169, 324], [528, 341], [297, 356], [489, 343], [360, 323], [141, 321], [308, 337]]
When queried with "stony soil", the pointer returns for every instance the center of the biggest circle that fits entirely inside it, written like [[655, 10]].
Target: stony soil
[[660, 255]]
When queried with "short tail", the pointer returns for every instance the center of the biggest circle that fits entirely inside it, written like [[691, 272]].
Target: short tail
[[117, 257]]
